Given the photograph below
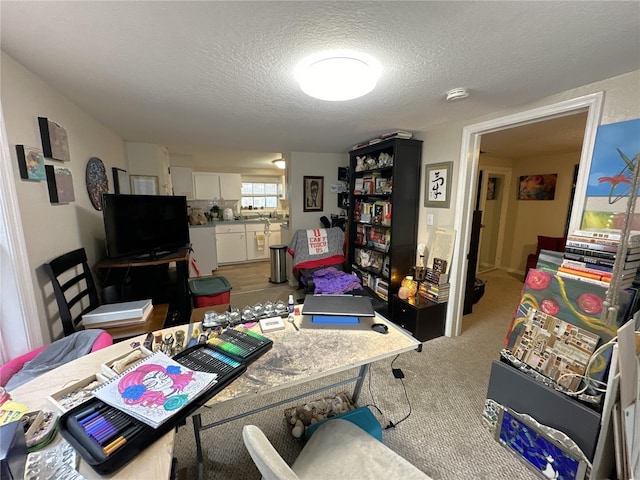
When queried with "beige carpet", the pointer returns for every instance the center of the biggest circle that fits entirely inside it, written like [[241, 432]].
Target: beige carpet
[[446, 387]]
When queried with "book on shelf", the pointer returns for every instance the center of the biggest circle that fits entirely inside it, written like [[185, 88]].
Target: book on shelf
[[603, 276], [435, 277], [581, 278], [616, 235], [600, 244], [118, 314], [385, 136], [435, 298], [627, 269], [375, 237], [587, 267], [381, 287], [155, 389], [625, 282], [591, 253], [397, 134]]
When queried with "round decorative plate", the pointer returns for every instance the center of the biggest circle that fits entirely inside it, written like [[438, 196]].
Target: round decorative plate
[[97, 182]]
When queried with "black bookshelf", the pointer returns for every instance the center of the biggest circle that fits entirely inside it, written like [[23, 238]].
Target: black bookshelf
[[392, 193]]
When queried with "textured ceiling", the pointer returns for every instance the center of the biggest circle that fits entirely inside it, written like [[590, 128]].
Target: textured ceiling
[[204, 76]]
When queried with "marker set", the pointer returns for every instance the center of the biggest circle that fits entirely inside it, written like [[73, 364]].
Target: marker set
[[244, 346], [107, 438], [103, 429]]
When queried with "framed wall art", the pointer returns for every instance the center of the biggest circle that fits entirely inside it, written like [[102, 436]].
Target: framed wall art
[[60, 183], [120, 181], [491, 188], [54, 140], [144, 184], [537, 187], [439, 177], [30, 163], [313, 194], [97, 182]]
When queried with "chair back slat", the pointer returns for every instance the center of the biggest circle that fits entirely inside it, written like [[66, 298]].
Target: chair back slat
[[76, 264]]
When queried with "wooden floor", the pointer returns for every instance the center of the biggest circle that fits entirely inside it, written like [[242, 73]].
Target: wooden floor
[[247, 276], [250, 284]]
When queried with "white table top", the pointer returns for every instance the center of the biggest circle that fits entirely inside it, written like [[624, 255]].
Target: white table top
[[296, 357]]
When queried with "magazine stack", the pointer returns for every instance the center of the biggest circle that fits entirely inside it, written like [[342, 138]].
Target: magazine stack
[[435, 286]]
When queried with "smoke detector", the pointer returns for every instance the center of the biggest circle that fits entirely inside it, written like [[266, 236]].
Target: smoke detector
[[456, 94]]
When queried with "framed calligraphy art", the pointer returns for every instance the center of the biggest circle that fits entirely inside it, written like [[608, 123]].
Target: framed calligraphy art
[[437, 192]]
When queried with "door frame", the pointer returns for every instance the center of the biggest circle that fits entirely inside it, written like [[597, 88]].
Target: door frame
[[504, 205], [468, 179]]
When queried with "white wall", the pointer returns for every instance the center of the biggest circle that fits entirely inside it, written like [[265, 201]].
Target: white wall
[[51, 230], [621, 102], [527, 219], [533, 218], [303, 164]]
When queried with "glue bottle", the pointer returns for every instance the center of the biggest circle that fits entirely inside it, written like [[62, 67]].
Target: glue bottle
[[291, 304]]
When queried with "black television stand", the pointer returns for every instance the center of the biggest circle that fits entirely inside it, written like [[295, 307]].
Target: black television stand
[[151, 277]]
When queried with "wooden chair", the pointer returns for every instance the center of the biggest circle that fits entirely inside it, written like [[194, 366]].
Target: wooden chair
[[74, 288]]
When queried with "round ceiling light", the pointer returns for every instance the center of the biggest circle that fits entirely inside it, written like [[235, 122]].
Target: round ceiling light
[[455, 94], [338, 76], [280, 163]]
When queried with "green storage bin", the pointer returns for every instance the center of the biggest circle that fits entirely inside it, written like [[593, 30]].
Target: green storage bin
[[213, 285]]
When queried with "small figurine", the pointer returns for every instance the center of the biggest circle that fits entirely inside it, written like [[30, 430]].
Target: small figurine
[[360, 164], [365, 258]]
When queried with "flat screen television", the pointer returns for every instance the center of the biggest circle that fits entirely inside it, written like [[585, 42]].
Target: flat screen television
[[144, 225]]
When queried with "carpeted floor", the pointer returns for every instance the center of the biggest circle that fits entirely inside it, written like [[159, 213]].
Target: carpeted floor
[[443, 433]]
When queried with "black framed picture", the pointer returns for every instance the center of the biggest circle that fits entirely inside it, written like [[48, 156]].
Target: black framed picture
[[54, 140], [313, 194]]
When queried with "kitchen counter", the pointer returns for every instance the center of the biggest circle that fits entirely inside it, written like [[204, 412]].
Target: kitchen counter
[[242, 222]]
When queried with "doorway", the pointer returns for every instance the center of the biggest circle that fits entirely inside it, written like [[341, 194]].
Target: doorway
[[493, 201], [468, 173]]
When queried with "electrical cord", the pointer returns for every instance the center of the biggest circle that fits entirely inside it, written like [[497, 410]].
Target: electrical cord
[[397, 373]]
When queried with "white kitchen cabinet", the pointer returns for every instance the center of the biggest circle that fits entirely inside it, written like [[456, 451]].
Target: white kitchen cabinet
[[257, 241], [203, 244], [182, 181], [206, 186], [230, 186], [275, 235], [231, 243]]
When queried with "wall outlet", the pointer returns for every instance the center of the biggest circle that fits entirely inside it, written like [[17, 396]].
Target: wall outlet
[[429, 218]]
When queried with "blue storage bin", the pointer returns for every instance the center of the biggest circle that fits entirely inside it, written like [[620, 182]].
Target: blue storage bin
[[361, 417]]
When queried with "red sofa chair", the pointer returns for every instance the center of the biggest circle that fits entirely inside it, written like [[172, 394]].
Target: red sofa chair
[[555, 244]]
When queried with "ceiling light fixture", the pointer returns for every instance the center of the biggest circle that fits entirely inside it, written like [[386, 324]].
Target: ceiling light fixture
[[338, 76], [280, 163], [456, 94]]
